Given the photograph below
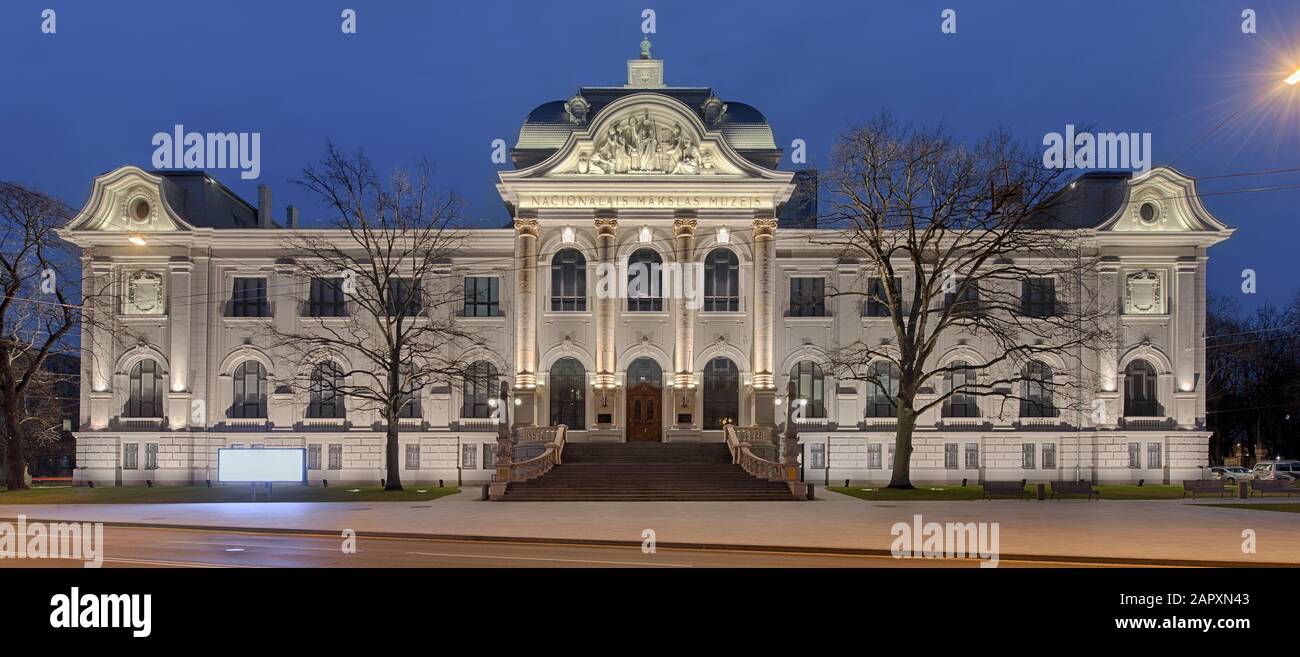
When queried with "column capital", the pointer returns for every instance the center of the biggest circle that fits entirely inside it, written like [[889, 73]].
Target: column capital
[[606, 222], [525, 225], [684, 226], [764, 223]]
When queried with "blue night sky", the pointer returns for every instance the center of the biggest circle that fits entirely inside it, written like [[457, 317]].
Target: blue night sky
[[441, 80]]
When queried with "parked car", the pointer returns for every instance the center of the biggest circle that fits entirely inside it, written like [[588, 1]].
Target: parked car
[[1230, 473], [1276, 469]]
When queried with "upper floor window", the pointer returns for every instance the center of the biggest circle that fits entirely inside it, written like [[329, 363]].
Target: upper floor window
[[325, 299], [882, 389], [958, 381], [810, 386], [1140, 390], [479, 390], [248, 298], [721, 281], [645, 281], [807, 297], [404, 297], [482, 296], [1038, 297], [1036, 391], [964, 299], [144, 399], [249, 390], [877, 299], [408, 396], [325, 397], [568, 281]]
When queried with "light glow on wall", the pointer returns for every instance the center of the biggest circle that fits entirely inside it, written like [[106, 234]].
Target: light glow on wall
[[567, 235], [724, 235], [645, 234]]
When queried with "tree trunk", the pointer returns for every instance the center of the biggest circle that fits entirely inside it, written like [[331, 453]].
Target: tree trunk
[[393, 466], [15, 459], [902, 475]]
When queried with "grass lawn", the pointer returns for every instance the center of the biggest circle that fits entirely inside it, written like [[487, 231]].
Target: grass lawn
[[1285, 508], [174, 494], [939, 492]]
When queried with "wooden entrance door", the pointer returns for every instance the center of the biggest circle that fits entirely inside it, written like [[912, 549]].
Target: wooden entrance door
[[644, 413]]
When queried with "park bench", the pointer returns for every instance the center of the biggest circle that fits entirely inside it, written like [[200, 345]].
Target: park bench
[[1063, 488], [1012, 489], [1198, 486], [1264, 486]]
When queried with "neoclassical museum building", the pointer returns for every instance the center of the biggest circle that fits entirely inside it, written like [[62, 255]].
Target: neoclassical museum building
[[637, 173]]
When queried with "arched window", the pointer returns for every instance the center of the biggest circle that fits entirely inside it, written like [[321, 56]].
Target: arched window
[[568, 382], [249, 390], [1036, 391], [480, 386], [645, 281], [721, 281], [568, 281], [145, 396], [882, 389], [644, 370], [325, 397], [961, 403], [810, 386], [721, 393], [1140, 390]]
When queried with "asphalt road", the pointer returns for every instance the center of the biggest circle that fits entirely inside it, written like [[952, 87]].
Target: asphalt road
[[144, 547]]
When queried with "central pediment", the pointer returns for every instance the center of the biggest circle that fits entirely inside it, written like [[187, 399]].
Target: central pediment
[[646, 146]]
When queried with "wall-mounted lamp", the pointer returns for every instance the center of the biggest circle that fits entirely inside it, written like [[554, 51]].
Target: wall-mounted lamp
[[645, 234], [567, 235], [724, 235], [519, 402]]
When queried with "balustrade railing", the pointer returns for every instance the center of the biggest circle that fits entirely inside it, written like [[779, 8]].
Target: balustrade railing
[[740, 441], [552, 440]]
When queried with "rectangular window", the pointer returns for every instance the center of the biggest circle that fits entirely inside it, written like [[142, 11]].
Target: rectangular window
[[873, 456], [1153, 456], [1135, 455], [972, 456], [808, 297], [950, 455], [482, 296], [336, 456], [963, 300], [1038, 297], [817, 456], [130, 456], [248, 298], [313, 456], [413, 456], [404, 298], [1049, 456], [1027, 455], [489, 456], [891, 455], [151, 456], [325, 298], [877, 305], [468, 456]]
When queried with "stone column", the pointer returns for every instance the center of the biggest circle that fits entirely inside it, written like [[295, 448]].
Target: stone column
[[763, 313], [526, 229], [606, 304], [1108, 290], [178, 328], [687, 293], [98, 347], [1186, 343]]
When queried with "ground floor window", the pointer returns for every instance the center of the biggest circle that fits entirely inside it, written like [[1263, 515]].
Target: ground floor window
[[568, 382], [489, 456], [721, 393], [817, 456], [313, 456], [1154, 459], [950, 456], [1135, 455], [412, 457], [151, 456], [131, 456], [336, 456], [1049, 455], [873, 456], [972, 455], [1027, 456], [468, 457]]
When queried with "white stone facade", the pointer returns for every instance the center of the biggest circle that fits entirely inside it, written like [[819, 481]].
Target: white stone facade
[[698, 195]]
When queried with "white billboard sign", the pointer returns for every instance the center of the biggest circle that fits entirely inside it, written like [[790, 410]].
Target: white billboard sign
[[276, 465]]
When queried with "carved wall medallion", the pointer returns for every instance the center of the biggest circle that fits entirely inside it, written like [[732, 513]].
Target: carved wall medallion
[[144, 294], [1144, 294]]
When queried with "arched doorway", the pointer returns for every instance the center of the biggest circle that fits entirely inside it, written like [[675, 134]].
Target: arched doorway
[[644, 401], [568, 394]]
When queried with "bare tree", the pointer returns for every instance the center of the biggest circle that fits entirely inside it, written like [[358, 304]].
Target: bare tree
[[40, 308], [961, 242], [388, 256]]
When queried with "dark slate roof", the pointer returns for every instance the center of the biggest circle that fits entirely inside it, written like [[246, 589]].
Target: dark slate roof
[[1087, 201], [205, 202], [548, 126]]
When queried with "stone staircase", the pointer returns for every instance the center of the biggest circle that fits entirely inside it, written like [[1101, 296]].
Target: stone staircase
[[646, 472]]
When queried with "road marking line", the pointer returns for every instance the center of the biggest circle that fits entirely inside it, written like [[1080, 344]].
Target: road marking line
[[488, 556], [256, 545]]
